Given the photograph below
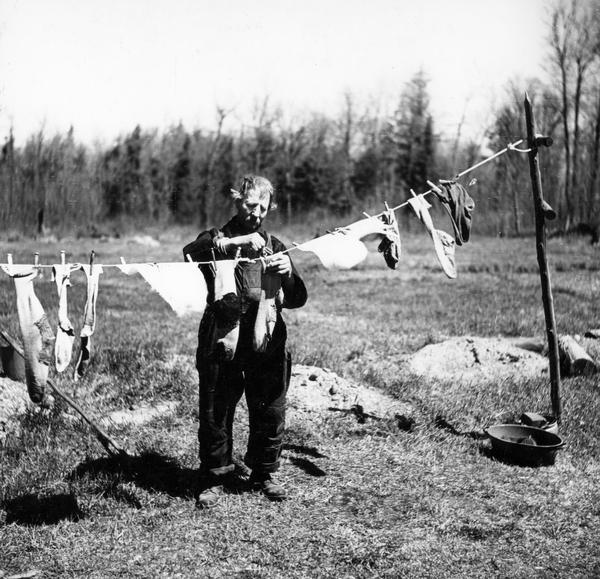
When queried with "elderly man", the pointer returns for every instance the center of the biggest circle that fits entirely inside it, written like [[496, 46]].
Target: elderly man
[[242, 342]]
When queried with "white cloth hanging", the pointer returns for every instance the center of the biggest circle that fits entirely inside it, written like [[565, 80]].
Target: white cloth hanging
[[65, 334], [336, 250], [181, 285], [36, 333]]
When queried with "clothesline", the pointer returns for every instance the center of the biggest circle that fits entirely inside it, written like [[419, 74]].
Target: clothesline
[[509, 147]]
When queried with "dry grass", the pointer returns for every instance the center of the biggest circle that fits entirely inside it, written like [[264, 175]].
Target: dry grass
[[369, 500]]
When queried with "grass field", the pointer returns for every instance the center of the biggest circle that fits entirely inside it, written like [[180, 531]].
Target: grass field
[[376, 501]]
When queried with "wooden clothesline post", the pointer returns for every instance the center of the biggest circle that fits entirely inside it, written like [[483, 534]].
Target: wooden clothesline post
[[543, 211]]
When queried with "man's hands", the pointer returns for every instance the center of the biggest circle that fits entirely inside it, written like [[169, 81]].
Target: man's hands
[[279, 263], [254, 241]]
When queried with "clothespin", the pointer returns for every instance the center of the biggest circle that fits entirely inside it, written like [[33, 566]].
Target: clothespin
[[123, 260], [412, 192], [389, 216], [92, 255], [366, 214], [434, 187], [188, 257], [62, 257], [36, 259], [9, 258]]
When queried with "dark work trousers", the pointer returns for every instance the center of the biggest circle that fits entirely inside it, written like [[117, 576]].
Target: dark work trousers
[[265, 379]]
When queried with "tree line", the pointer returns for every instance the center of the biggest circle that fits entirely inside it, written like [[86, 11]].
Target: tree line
[[338, 165]]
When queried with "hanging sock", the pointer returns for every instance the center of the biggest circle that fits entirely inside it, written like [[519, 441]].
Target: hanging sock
[[65, 334], [459, 205], [36, 332], [227, 310], [266, 316], [92, 274], [390, 245], [181, 285], [449, 248], [444, 250]]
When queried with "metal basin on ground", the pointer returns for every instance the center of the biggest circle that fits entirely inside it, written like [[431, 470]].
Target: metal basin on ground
[[525, 445]]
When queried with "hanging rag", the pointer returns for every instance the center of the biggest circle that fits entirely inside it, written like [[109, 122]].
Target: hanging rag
[[336, 250], [390, 245], [363, 227], [459, 205], [65, 334], [266, 315], [442, 241], [181, 285], [342, 249], [36, 332], [92, 274], [227, 311]]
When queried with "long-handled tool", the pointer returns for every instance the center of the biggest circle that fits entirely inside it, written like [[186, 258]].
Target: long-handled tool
[[106, 441]]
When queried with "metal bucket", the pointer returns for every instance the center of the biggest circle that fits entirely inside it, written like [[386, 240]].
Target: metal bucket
[[526, 445], [551, 424]]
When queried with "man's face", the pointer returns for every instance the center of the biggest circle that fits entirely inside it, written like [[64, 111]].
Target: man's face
[[252, 209]]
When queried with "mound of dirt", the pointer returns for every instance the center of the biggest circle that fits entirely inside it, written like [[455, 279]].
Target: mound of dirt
[[478, 359], [314, 389]]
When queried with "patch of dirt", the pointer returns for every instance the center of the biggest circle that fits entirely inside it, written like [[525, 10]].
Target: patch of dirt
[[140, 415], [479, 359], [314, 389]]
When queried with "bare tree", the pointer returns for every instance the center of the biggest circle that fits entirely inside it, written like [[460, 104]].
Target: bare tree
[[573, 43]]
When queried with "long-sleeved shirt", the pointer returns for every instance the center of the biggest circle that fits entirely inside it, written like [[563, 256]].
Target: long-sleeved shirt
[[248, 278]]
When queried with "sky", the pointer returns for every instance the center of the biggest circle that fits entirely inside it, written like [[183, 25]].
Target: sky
[[104, 66]]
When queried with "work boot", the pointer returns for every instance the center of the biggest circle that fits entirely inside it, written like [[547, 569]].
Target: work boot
[[211, 489], [269, 487]]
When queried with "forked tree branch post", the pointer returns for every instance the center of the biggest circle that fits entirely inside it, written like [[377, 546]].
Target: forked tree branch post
[[543, 211]]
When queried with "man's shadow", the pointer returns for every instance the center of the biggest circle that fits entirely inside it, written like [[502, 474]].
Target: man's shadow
[[150, 470], [304, 464], [32, 510]]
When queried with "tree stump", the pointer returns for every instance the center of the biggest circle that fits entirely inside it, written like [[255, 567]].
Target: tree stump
[[574, 360]]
